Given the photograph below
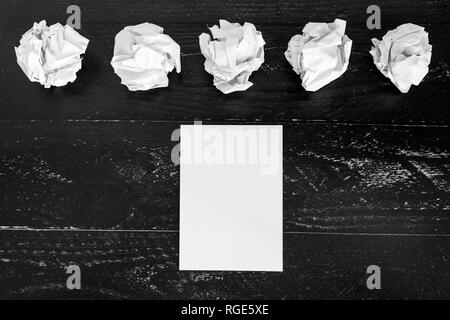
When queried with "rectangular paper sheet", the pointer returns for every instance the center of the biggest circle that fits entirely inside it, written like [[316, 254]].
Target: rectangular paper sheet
[[231, 198]]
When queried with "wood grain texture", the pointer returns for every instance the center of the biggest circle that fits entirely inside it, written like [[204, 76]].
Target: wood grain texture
[[74, 157], [119, 174], [145, 265], [362, 94]]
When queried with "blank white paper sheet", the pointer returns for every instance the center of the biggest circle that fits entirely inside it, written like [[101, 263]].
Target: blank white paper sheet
[[231, 198]]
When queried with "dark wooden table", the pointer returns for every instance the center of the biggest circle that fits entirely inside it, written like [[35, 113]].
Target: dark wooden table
[[86, 176]]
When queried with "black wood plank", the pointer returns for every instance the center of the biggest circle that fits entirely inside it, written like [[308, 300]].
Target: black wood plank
[[119, 174], [145, 265], [362, 94]]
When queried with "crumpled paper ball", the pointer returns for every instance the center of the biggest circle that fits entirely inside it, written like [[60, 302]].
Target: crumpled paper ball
[[143, 56], [321, 54], [403, 55], [51, 55], [235, 53]]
